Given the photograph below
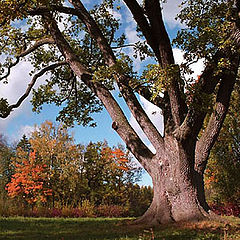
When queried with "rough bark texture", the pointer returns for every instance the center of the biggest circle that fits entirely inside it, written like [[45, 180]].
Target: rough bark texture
[[176, 187]]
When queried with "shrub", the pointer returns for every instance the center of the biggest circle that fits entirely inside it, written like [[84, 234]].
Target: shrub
[[86, 209], [55, 212], [228, 209], [111, 211]]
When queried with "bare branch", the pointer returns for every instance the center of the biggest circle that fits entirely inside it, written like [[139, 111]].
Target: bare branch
[[30, 86]]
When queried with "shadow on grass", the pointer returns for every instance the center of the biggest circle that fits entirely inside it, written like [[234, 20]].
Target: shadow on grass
[[100, 228]]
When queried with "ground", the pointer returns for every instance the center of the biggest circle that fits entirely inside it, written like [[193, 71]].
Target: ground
[[115, 229]]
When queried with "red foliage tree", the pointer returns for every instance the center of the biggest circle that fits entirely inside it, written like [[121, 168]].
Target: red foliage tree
[[30, 180]]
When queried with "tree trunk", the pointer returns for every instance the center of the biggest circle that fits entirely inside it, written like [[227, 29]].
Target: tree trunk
[[178, 188]]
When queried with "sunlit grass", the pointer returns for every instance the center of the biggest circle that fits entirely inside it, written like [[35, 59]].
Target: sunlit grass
[[115, 229]]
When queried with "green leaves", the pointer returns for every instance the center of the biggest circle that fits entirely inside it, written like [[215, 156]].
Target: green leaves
[[209, 24], [160, 78], [77, 100], [4, 108]]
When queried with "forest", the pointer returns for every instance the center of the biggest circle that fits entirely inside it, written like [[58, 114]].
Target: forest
[[49, 175]]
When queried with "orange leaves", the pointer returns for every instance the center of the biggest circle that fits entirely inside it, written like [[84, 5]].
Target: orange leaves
[[121, 159], [117, 157], [210, 177], [29, 181]]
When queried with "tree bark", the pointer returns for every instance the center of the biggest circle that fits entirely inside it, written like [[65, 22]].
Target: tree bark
[[178, 188]]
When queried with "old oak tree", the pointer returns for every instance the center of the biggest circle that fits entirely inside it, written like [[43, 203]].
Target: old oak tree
[[82, 52]]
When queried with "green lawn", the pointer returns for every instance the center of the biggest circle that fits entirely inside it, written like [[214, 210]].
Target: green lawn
[[119, 229]]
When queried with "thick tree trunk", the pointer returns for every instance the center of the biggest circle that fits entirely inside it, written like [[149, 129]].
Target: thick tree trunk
[[178, 188]]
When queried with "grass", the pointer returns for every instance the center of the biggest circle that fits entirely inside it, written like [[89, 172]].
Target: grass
[[114, 229]]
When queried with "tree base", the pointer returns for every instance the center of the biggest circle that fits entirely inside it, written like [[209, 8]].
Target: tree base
[[151, 220]]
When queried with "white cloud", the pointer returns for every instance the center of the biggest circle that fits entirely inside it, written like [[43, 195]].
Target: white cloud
[[178, 55], [18, 81], [170, 10], [197, 67], [131, 33], [17, 84], [132, 37], [154, 113], [25, 130], [115, 14]]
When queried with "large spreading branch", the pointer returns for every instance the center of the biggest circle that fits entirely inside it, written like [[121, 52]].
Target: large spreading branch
[[120, 122], [217, 117], [30, 86], [122, 80], [156, 35], [139, 114], [110, 59]]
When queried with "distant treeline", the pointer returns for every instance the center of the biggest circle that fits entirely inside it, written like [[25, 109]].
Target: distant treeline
[[50, 175]]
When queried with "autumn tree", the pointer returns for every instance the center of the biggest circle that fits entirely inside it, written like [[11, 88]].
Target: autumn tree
[[24, 144], [107, 173], [30, 182], [57, 150], [79, 47]]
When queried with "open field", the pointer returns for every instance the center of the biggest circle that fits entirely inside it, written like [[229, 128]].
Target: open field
[[113, 229]]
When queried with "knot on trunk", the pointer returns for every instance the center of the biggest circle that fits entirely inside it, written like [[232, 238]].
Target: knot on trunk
[[115, 126]]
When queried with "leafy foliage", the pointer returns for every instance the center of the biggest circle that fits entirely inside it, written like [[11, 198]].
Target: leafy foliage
[[30, 180], [51, 170], [207, 27], [5, 170]]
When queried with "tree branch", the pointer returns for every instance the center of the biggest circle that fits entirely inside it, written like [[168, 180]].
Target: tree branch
[[216, 120], [157, 37], [24, 53], [120, 122], [138, 15], [122, 80], [206, 85], [30, 86]]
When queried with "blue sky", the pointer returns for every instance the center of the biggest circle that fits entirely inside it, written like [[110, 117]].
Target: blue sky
[[22, 120]]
